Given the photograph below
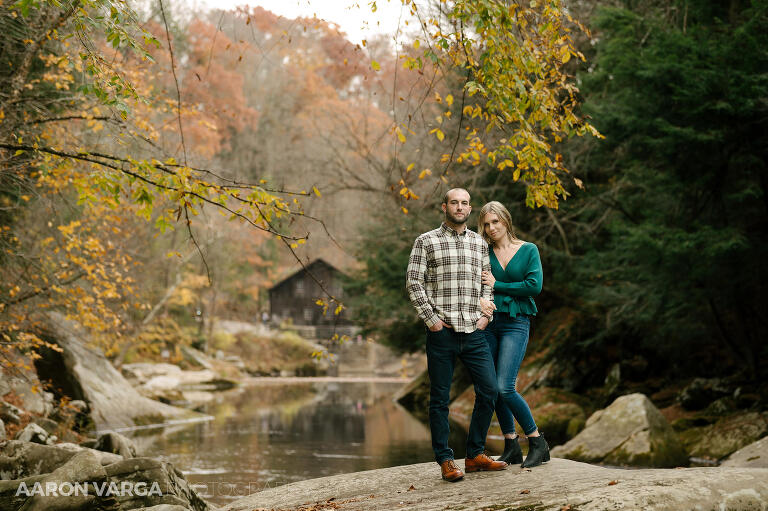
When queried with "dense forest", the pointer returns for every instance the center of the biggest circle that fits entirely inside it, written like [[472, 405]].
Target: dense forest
[[655, 269]]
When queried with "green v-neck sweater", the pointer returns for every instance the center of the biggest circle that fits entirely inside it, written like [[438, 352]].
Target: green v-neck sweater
[[519, 282]]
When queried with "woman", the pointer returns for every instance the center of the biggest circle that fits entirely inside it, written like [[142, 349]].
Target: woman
[[516, 278]]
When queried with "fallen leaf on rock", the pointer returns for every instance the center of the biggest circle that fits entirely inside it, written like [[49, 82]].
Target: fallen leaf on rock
[[525, 492], [565, 508], [612, 483], [412, 487]]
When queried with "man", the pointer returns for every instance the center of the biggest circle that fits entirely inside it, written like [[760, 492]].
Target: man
[[444, 284]]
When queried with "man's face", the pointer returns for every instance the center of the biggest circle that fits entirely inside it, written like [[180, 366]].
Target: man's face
[[457, 208]]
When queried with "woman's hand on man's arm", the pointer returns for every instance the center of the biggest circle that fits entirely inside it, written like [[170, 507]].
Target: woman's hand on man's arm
[[487, 307]]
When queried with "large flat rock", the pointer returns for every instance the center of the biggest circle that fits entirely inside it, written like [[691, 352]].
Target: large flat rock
[[552, 486]]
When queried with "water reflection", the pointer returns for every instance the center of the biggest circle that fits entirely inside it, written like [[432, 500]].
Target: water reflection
[[271, 434]]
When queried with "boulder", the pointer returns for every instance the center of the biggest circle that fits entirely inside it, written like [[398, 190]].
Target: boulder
[[196, 357], [141, 372], [631, 431], [755, 455], [34, 433], [701, 392], [559, 414], [25, 459], [129, 480], [557, 485], [116, 444], [167, 382], [10, 413], [174, 487], [84, 467], [727, 435], [85, 374], [50, 426], [28, 388]]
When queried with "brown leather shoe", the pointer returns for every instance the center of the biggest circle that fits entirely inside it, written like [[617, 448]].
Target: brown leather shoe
[[451, 471], [482, 462]]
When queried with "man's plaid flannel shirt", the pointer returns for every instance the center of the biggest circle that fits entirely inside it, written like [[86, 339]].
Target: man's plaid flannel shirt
[[443, 277]]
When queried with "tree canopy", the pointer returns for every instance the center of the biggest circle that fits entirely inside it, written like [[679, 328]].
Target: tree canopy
[[111, 117]]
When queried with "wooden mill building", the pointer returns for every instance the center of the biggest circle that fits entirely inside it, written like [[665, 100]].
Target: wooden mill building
[[295, 296]]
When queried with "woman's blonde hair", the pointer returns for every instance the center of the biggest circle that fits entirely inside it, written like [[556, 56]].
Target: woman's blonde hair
[[504, 216]]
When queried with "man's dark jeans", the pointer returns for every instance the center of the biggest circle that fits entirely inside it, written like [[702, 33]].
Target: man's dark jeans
[[472, 349]]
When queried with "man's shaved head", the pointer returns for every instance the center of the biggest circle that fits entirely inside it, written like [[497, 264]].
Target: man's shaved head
[[452, 191]]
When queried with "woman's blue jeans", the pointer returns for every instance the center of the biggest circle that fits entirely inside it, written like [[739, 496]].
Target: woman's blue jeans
[[507, 339]]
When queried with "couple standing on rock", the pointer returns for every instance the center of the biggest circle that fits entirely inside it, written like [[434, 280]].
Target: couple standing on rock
[[477, 304]]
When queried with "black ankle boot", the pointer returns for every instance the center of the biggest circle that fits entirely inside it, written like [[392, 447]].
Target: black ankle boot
[[512, 452], [538, 451]]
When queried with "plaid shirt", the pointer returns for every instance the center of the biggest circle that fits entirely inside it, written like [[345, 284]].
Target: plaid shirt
[[443, 277]]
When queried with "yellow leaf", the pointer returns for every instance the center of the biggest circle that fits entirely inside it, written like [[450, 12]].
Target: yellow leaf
[[405, 210], [416, 44], [440, 135], [375, 65], [449, 99], [565, 54], [410, 167], [400, 135], [317, 192], [578, 182], [516, 175], [294, 245], [424, 173]]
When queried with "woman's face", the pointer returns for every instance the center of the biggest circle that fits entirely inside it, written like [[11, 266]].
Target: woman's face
[[493, 227]]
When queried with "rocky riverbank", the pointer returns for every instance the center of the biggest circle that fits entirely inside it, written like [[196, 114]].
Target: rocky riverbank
[[696, 423], [63, 455]]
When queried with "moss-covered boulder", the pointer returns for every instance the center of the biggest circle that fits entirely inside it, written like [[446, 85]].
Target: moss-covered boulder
[[559, 414], [631, 431], [755, 455], [725, 436]]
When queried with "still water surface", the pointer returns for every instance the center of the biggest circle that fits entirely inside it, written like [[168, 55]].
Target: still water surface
[[273, 433]]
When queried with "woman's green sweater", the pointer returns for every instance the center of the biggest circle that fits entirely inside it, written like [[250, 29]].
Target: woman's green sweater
[[519, 282]]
